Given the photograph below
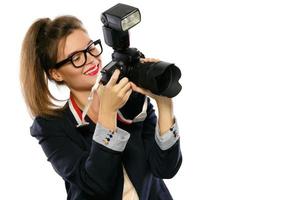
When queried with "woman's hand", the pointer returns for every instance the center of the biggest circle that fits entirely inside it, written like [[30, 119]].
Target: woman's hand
[[112, 97], [165, 108]]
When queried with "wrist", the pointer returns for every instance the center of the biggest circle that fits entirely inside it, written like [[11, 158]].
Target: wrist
[[108, 119], [164, 103]]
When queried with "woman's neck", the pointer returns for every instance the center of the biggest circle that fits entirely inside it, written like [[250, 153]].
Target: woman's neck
[[81, 99]]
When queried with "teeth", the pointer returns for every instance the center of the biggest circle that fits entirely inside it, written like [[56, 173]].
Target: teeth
[[91, 70], [94, 69]]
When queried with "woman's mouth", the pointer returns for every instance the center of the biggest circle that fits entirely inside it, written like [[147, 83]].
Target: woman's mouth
[[92, 71]]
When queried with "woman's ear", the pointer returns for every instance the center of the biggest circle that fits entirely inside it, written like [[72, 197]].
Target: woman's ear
[[56, 75]]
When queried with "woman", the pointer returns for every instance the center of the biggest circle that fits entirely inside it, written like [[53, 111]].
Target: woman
[[109, 153]]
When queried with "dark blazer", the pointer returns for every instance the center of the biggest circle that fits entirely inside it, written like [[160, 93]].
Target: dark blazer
[[92, 171]]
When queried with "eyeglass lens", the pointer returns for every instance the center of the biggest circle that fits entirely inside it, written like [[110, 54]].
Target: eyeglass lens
[[79, 58]]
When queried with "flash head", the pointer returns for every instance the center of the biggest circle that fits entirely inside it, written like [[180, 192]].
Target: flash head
[[121, 17]]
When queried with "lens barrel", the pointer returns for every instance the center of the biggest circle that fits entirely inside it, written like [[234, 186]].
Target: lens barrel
[[160, 78]]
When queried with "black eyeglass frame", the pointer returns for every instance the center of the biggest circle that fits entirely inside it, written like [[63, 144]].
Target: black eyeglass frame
[[87, 50]]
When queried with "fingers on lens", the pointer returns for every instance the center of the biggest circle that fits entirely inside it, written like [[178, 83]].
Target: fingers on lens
[[143, 60]]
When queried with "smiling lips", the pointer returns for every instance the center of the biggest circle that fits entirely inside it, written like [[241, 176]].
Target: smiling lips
[[92, 71]]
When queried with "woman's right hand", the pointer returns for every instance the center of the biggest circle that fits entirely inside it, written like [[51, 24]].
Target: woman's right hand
[[112, 97]]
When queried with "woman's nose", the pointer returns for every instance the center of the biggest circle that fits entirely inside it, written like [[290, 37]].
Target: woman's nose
[[91, 59]]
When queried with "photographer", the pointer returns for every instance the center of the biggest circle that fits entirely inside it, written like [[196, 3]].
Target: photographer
[[120, 150]]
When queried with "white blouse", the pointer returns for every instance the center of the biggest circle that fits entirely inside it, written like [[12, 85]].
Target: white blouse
[[129, 192]]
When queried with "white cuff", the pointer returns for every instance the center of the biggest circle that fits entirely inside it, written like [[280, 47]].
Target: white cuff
[[114, 140], [168, 139]]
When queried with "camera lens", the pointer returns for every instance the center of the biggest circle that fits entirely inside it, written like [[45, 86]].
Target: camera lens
[[160, 78]]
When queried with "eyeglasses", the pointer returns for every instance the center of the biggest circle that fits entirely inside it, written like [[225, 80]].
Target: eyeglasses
[[78, 58]]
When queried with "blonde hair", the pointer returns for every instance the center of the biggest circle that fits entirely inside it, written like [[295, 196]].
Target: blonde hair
[[38, 56]]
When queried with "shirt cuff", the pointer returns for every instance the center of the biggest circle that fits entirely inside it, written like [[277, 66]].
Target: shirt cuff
[[168, 139], [115, 140]]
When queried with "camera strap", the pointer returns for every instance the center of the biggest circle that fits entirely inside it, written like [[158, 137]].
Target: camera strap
[[138, 118], [91, 96]]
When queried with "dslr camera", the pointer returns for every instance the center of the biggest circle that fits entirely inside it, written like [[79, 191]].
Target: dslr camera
[[160, 78]]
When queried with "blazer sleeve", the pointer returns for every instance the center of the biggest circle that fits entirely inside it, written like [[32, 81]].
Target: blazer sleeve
[[163, 163], [94, 171]]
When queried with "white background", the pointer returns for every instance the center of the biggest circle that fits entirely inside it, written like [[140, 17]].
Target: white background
[[238, 112]]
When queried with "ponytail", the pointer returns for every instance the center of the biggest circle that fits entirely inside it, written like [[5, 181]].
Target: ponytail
[[39, 52]]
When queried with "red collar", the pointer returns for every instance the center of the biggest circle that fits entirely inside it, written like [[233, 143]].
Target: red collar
[[76, 107]]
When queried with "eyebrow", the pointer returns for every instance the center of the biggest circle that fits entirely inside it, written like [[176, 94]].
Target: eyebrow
[[88, 44]]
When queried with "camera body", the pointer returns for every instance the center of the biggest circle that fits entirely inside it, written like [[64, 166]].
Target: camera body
[[160, 78], [125, 60]]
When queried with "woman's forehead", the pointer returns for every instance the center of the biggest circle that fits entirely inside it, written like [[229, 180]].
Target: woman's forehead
[[76, 41]]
